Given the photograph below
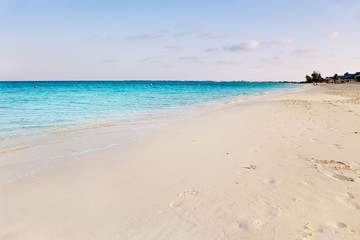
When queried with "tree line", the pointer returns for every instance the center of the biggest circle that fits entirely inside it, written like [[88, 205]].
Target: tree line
[[316, 77]]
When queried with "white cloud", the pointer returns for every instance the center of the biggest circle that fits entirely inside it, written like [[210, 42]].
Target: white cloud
[[333, 35], [164, 30], [306, 52], [191, 58], [248, 46], [111, 60], [144, 36], [194, 30], [211, 49], [283, 41], [93, 37], [275, 60], [150, 60], [226, 62], [256, 45], [211, 35], [174, 47]]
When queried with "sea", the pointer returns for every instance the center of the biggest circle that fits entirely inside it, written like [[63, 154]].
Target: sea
[[71, 118]]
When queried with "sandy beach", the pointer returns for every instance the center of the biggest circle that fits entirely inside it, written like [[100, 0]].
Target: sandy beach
[[280, 167]]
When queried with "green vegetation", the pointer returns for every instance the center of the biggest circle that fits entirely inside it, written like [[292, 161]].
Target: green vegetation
[[315, 77]]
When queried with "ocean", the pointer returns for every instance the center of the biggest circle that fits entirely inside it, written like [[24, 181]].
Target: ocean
[[31, 110], [46, 122]]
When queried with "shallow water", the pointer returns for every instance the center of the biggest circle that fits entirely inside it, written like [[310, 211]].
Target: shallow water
[[67, 106], [43, 126]]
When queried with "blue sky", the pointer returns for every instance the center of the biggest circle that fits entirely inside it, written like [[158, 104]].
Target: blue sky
[[177, 40]]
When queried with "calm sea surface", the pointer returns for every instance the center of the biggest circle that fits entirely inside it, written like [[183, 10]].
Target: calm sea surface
[[29, 114], [56, 121]]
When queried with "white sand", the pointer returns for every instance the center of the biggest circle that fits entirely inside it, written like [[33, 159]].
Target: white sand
[[285, 167]]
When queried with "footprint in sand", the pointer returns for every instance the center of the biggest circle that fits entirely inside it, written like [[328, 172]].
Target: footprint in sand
[[337, 170], [253, 167], [341, 225], [247, 226], [335, 146], [271, 181], [182, 197], [352, 200], [308, 232], [255, 149], [315, 231], [345, 229], [246, 169], [312, 231]]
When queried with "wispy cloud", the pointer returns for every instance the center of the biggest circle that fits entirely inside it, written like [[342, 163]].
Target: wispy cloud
[[155, 59], [211, 35], [283, 41], [150, 60], [306, 52], [211, 49], [253, 45], [191, 58], [144, 36], [112, 38], [275, 60], [194, 30], [333, 35], [186, 33], [93, 37], [113, 60], [226, 62], [174, 47], [247, 46], [164, 30]]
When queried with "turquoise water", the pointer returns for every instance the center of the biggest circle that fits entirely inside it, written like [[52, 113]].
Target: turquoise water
[[28, 111], [57, 121]]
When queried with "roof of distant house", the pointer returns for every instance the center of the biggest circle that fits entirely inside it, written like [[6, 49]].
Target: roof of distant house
[[349, 75]]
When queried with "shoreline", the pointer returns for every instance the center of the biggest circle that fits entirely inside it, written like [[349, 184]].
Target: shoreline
[[41, 134], [55, 146], [280, 167]]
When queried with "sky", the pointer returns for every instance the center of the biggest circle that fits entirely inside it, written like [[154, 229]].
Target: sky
[[228, 40]]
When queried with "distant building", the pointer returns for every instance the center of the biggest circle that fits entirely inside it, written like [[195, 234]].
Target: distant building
[[357, 76], [341, 79], [349, 75], [329, 80]]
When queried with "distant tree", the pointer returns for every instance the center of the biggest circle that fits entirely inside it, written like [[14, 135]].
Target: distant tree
[[315, 77], [308, 79]]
